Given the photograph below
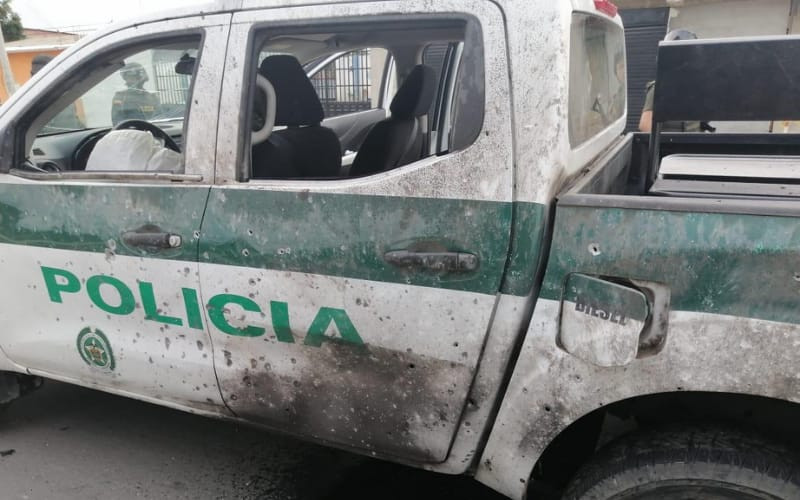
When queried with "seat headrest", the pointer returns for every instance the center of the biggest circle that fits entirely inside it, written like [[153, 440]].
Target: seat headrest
[[415, 96], [297, 101]]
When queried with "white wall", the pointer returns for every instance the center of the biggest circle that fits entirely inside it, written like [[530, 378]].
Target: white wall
[[733, 18]]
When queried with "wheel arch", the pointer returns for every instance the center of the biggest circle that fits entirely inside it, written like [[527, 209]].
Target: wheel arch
[[550, 389], [583, 438]]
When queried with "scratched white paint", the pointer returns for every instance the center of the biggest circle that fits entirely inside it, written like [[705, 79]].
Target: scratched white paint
[[440, 332], [485, 392], [168, 363], [551, 389]]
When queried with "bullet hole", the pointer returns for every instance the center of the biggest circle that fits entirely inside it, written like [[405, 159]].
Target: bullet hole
[[246, 252], [411, 366], [250, 232], [196, 235], [797, 276], [594, 249], [547, 409]]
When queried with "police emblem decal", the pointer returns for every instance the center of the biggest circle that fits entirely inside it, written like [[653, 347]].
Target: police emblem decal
[[95, 349]]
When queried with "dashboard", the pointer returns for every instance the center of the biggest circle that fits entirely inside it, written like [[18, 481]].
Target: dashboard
[[69, 151]]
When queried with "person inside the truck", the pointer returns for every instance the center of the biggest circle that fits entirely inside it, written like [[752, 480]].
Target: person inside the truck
[[134, 102], [646, 121]]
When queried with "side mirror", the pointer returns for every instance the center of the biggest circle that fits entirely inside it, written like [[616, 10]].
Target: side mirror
[[601, 321]]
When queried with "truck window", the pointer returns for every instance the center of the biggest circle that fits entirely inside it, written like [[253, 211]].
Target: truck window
[[371, 106], [126, 114], [351, 82], [597, 89]]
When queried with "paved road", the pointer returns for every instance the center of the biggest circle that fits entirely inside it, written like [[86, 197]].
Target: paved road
[[65, 443]]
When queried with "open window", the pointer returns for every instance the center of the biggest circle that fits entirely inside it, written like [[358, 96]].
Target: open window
[[359, 99], [122, 113]]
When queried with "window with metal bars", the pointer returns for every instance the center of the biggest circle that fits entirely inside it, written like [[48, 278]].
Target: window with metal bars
[[345, 84]]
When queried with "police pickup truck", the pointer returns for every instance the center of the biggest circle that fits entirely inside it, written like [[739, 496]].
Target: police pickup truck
[[414, 230]]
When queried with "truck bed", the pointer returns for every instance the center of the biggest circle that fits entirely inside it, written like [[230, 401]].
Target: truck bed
[[696, 166]]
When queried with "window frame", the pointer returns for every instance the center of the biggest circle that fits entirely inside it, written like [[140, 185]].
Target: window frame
[[261, 31], [29, 104]]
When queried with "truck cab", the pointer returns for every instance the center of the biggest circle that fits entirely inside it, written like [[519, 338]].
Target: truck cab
[[378, 225]]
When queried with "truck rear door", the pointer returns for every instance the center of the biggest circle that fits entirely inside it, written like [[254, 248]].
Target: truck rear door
[[354, 310]]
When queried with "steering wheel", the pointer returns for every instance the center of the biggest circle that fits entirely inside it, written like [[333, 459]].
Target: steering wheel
[[146, 126]]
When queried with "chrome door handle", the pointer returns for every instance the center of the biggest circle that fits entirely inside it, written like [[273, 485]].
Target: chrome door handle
[[433, 261], [155, 239]]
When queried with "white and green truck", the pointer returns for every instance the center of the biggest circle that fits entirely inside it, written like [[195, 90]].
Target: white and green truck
[[415, 230]]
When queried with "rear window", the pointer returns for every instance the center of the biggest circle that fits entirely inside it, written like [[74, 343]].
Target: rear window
[[597, 89]]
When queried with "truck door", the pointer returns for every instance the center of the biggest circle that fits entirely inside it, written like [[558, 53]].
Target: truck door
[[99, 228], [353, 308]]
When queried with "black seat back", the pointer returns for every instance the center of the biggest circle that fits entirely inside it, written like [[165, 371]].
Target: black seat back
[[304, 148], [398, 140]]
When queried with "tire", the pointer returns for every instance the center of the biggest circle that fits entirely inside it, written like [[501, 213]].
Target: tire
[[689, 464]]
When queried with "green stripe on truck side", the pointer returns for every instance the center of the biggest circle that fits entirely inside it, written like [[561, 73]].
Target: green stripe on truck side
[[348, 235], [739, 265], [527, 243], [326, 234], [93, 218]]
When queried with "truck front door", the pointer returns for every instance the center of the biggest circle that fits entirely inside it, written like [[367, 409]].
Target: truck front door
[[99, 251], [354, 310]]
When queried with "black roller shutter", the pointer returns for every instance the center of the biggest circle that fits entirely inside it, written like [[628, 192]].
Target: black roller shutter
[[644, 28]]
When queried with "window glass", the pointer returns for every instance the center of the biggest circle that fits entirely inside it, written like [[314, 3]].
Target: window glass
[[151, 86], [597, 90], [297, 139], [351, 82], [145, 87]]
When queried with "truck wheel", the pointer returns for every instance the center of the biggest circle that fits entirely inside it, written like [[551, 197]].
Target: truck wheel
[[689, 463]]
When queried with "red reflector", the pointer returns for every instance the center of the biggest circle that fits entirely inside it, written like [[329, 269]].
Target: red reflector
[[606, 7]]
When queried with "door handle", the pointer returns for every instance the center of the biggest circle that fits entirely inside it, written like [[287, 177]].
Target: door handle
[[433, 261], [152, 239]]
